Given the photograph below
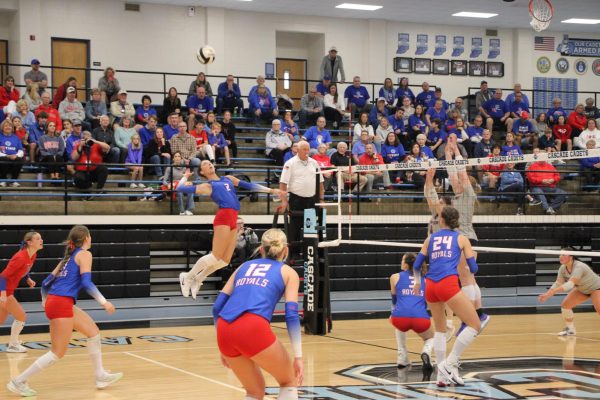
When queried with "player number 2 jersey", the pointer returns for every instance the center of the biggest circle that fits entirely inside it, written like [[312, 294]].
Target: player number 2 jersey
[[224, 194], [444, 254]]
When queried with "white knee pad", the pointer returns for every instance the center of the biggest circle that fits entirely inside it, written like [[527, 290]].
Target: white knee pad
[[567, 313], [470, 292], [94, 344], [288, 393], [477, 292], [46, 360]]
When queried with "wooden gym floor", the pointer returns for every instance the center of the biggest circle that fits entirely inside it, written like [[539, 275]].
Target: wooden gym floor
[[519, 357]]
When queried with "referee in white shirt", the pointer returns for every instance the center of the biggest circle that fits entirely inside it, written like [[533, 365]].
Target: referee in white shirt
[[299, 180]]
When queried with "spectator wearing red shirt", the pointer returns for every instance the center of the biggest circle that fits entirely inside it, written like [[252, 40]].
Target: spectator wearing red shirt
[[492, 171], [205, 150], [89, 153], [8, 93], [577, 120], [370, 157], [61, 91], [324, 161], [562, 133], [18, 267], [52, 112], [543, 178]]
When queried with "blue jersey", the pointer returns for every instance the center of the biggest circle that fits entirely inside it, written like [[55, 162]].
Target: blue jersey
[[523, 127], [68, 281], [513, 150], [495, 108], [223, 194], [257, 287], [409, 305], [444, 254]]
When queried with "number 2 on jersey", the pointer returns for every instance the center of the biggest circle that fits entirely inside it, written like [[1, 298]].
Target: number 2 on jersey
[[437, 242], [258, 270]]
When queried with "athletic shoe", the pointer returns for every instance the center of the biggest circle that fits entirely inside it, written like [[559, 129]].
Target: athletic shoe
[[182, 213], [188, 212], [185, 282], [133, 186], [441, 379], [550, 211], [402, 360], [141, 185], [16, 348], [21, 388], [16, 184], [535, 202], [520, 211], [195, 286], [567, 332], [2, 184], [449, 373], [484, 319], [450, 332], [462, 327], [108, 379]]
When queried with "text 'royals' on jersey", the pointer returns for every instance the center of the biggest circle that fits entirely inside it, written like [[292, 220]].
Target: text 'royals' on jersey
[[224, 194], [257, 288], [444, 254], [68, 281], [409, 305]]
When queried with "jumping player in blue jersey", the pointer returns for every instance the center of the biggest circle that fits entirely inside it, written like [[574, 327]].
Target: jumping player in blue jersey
[[222, 192], [242, 314], [59, 294], [444, 249], [409, 312]]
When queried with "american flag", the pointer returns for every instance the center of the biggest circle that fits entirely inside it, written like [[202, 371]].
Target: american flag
[[544, 43]]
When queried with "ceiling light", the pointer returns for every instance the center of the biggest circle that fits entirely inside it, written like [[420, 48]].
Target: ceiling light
[[581, 21], [362, 7], [470, 14]]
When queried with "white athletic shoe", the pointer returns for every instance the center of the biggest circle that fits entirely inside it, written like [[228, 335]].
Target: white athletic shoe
[[133, 186], [185, 282], [441, 380], [567, 332], [21, 389], [108, 379], [450, 332], [188, 212], [402, 360], [195, 286], [449, 373], [141, 185], [16, 348]]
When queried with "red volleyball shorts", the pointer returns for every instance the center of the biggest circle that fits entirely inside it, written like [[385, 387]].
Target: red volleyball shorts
[[404, 324], [247, 336], [441, 291], [59, 307], [226, 216]]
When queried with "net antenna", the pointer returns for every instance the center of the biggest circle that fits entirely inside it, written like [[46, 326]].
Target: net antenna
[[541, 12]]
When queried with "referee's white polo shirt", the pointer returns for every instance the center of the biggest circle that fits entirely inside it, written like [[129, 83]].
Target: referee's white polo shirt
[[299, 176]]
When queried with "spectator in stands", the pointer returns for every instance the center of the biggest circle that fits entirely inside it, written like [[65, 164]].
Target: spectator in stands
[[260, 80], [61, 91], [35, 132], [590, 110], [577, 120], [357, 97], [460, 108], [450, 123], [95, 108], [361, 125], [134, 156], [89, 154], [121, 107], [517, 96], [123, 133], [436, 135], [436, 111], [392, 152], [555, 111], [172, 127], [229, 130], [323, 86], [437, 95], [323, 160], [291, 153], [229, 96], [204, 150], [421, 139], [370, 157], [441, 151], [199, 105], [425, 97], [72, 142], [525, 133], [511, 148], [408, 109], [334, 106], [381, 133], [543, 180], [185, 144], [20, 131], [379, 111], [331, 65], [105, 134], [360, 146], [210, 119], [262, 105], [109, 86], [35, 76], [71, 108], [417, 123], [52, 150], [52, 112], [483, 95], [562, 133], [277, 143], [404, 91], [247, 242], [171, 104], [22, 111], [67, 130], [491, 173], [591, 132], [398, 125], [388, 93], [11, 153], [158, 152], [548, 143], [311, 107], [590, 167], [511, 181], [148, 131], [342, 159], [290, 127], [171, 178], [460, 130], [496, 113], [484, 147], [315, 135], [217, 140], [541, 123], [145, 110], [416, 154], [517, 106], [200, 81], [32, 97], [9, 93]]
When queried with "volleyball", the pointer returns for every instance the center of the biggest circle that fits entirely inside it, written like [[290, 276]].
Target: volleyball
[[205, 54]]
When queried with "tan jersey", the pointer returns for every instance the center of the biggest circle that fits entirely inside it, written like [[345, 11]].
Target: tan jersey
[[589, 281], [465, 204]]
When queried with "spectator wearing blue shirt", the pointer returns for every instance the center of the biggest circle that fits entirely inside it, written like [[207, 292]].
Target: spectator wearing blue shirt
[[357, 97], [556, 111], [229, 96], [392, 151], [145, 110], [511, 181], [510, 148], [315, 135], [291, 152], [417, 123], [425, 96], [217, 140], [591, 166], [475, 134], [422, 142], [389, 94], [379, 111], [360, 146], [404, 91], [323, 86], [11, 153], [262, 105], [198, 106], [260, 80], [171, 129], [148, 131], [437, 95], [289, 126], [436, 135], [525, 134], [512, 96], [397, 123], [418, 153], [436, 112], [517, 106], [496, 112]]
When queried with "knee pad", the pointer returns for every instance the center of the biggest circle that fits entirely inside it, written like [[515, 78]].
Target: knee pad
[[567, 313], [477, 292], [470, 292], [94, 344]]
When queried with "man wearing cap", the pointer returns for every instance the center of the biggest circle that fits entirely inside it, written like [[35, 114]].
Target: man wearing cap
[[323, 86], [36, 76], [331, 65], [524, 130], [70, 107], [311, 107], [121, 108], [379, 111]]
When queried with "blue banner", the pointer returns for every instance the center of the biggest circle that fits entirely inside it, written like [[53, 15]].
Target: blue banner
[[422, 44], [403, 43], [476, 47], [494, 48], [459, 46], [579, 47], [440, 45]]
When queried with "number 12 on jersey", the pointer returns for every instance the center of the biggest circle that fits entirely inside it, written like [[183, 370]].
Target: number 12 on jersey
[[258, 270]]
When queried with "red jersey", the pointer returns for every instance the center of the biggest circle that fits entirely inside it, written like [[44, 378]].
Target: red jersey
[[53, 115], [493, 169], [562, 132], [201, 138], [18, 266], [96, 157]]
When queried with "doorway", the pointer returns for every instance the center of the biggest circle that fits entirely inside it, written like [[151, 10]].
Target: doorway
[[71, 53], [291, 79], [3, 59]]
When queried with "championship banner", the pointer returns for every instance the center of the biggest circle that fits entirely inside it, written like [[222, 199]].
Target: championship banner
[[459, 46], [476, 47], [579, 47], [403, 43], [494, 48], [422, 44], [440, 45]]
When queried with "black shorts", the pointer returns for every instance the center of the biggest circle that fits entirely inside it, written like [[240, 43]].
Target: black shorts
[[498, 123]]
